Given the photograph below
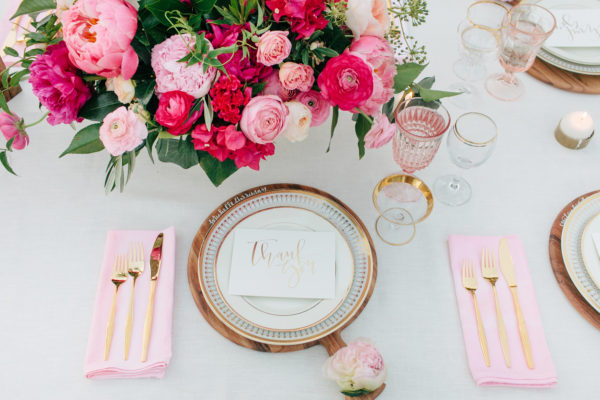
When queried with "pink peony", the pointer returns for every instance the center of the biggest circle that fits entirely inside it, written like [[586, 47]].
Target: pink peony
[[380, 96], [358, 366], [381, 132], [98, 34], [174, 75], [377, 52], [367, 17], [304, 16], [264, 118], [56, 84], [296, 76], [273, 47], [122, 131], [174, 112], [319, 107], [273, 87], [346, 81], [12, 127]]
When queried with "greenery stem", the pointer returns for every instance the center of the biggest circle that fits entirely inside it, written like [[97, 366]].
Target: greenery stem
[[38, 121], [365, 115]]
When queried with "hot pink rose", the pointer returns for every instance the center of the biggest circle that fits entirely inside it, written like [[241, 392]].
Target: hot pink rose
[[377, 52], [381, 132], [174, 75], [98, 34], [367, 17], [273, 47], [304, 16], [319, 107], [122, 131], [273, 87], [12, 127], [174, 112], [264, 118], [346, 81], [296, 76]]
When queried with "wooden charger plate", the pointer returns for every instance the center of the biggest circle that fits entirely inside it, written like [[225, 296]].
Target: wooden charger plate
[[565, 80], [558, 266], [333, 342]]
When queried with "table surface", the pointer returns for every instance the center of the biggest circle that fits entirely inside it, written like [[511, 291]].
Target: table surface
[[55, 215]]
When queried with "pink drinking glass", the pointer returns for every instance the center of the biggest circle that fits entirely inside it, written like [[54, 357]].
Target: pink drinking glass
[[420, 127]]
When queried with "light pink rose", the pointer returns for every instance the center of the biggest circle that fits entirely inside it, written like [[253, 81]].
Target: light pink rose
[[380, 96], [377, 52], [264, 118], [11, 127], [273, 87], [98, 34], [122, 131], [273, 47], [296, 76], [358, 366], [318, 105], [381, 132], [173, 75], [367, 17], [299, 121]]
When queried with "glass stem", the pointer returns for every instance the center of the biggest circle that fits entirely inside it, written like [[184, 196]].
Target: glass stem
[[508, 77], [454, 184]]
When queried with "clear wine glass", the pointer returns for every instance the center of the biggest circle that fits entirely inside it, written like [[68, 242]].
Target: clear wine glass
[[470, 143], [527, 27]]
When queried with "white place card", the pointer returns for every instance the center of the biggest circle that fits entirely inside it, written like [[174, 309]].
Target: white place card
[[276, 263], [576, 28]]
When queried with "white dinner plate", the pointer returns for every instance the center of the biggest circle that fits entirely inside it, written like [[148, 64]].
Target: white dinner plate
[[591, 260], [571, 248]]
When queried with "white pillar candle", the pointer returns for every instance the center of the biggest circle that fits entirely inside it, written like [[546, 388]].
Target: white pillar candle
[[575, 129]]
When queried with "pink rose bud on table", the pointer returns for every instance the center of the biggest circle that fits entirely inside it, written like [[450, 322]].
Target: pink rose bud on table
[[299, 121], [12, 127], [381, 132], [296, 76], [357, 368], [264, 118], [318, 105], [273, 47], [122, 131]]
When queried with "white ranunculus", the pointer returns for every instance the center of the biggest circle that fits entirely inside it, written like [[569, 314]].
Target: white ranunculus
[[367, 17], [62, 6], [123, 88], [299, 121]]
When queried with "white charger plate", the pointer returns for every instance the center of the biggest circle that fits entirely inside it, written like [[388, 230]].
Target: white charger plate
[[591, 259]]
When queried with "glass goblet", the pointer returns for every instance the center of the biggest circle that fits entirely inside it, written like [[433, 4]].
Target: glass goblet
[[420, 126], [470, 143], [527, 27]]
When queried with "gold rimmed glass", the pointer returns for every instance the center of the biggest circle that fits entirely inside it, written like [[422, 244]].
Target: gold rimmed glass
[[470, 144]]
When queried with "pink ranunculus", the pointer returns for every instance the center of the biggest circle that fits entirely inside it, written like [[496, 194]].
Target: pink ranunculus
[[174, 75], [381, 132], [122, 131], [98, 34], [273, 47], [56, 84], [273, 87], [367, 17], [296, 76], [12, 127], [304, 16], [358, 366], [264, 118], [346, 81], [174, 112], [318, 105], [380, 96], [298, 123], [377, 52]]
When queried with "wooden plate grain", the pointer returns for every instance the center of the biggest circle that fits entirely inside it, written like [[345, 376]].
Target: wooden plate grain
[[565, 80]]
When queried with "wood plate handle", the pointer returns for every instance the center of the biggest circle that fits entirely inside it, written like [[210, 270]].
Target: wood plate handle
[[333, 343]]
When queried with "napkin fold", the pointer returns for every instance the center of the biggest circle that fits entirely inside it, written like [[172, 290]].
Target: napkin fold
[[498, 374], [159, 352]]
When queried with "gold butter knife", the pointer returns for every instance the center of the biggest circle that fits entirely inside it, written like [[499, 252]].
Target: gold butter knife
[[508, 270], [155, 260]]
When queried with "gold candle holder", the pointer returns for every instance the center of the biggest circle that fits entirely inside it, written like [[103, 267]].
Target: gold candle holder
[[575, 130]]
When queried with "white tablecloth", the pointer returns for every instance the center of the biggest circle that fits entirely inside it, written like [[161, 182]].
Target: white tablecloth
[[54, 218]]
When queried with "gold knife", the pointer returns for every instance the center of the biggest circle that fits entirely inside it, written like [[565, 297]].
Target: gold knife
[[155, 260], [508, 270]]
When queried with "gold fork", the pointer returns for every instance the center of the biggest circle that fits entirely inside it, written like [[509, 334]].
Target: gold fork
[[136, 268], [470, 283], [489, 270], [119, 276]]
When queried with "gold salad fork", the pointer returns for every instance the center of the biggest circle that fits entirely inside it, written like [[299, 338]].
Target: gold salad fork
[[119, 276], [470, 283], [136, 268], [489, 270]]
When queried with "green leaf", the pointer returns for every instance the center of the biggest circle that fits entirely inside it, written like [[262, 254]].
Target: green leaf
[[158, 8], [9, 51], [361, 128], [208, 112], [406, 74], [334, 121], [355, 393], [427, 83], [85, 141], [150, 139], [257, 88], [3, 103], [177, 151], [203, 6], [16, 78], [216, 170], [4, 161], [34, 6], [98, 107], [388, 109], [431, 95], [144, 91]]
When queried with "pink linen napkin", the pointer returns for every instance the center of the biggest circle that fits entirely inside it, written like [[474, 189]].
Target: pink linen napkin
[[498, 374], [159, 352]]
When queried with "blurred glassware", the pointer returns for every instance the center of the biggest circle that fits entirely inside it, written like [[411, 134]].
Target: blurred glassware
[[526, 28]]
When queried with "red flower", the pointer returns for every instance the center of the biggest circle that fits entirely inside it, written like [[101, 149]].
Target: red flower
[[228, 97], [174, 112], [304, 16]]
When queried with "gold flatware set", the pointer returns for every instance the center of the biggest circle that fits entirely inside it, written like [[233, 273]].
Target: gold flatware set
[[489, 271], [133, 265]]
